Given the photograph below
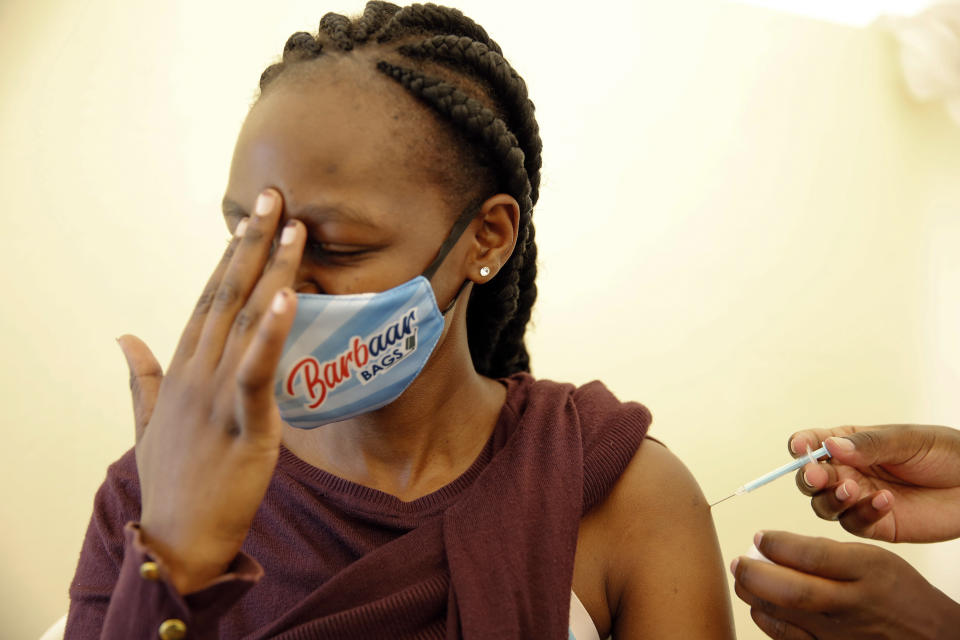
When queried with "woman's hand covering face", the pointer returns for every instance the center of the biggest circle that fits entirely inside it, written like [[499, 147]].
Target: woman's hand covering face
[[208, 431], [897, 483]]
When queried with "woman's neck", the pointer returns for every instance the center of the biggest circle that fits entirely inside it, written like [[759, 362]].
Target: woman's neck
[[423, 440]]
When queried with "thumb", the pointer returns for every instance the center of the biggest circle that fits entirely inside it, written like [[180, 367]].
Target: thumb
[[146, 374], [890, 444]]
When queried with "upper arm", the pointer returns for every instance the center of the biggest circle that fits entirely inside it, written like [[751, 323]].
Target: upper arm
[[666, 575]]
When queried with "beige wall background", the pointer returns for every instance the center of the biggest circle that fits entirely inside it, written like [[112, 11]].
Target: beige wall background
[[745, 224]]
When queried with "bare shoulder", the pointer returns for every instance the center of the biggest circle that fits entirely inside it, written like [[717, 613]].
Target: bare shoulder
[[657, 484], [657, 551]]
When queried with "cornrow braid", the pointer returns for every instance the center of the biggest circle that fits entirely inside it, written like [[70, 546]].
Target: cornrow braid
[[492, 113], [337, 28], [474, 57], [477, 121], [375, 15], [427, 18]]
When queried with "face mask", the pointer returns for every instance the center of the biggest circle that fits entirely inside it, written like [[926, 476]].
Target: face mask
[[351, 354]]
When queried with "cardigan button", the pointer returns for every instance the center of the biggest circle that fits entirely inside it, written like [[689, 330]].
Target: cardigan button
[[173, 629], [150, 571]]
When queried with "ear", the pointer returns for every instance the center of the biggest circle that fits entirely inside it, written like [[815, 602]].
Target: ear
[[495, 237]]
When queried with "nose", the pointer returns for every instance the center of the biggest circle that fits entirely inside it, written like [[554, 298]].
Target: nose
[[302, 283], [305, 280], [305, 287]]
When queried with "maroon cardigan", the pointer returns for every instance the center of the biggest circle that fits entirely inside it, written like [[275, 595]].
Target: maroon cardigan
[[488, 556]]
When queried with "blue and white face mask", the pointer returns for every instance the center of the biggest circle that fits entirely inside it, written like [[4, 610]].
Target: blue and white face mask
[[351, 354]]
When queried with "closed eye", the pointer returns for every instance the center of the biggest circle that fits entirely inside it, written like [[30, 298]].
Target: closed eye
[[330, 251]]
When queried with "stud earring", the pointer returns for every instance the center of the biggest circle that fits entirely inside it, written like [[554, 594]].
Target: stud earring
[[484, 271]]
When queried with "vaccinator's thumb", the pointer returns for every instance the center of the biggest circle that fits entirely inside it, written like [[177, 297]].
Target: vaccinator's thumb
[[892, 444]]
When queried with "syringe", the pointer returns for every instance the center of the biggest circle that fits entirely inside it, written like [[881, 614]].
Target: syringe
[[812, 456]]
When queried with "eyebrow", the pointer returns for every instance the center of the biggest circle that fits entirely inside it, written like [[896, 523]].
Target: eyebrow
[[311, 214]]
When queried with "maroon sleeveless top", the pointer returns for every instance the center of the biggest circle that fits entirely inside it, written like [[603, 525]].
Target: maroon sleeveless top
[[488, 556]]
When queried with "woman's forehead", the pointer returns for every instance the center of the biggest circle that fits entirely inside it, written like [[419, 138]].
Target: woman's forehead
[[329, 125], [344, 140]]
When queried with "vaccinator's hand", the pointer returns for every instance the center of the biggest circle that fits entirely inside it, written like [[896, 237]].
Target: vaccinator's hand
[[818, 589], [898, 483]]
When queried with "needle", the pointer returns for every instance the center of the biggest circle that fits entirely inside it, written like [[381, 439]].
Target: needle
[[812, 456], [721, 500]]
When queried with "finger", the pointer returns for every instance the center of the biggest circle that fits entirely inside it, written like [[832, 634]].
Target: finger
[[862, 517], [751, 599], [241, 276], [146, 374], [280, 272], [830, 503], [814, 477], [777, 628], [255, 377], [798, 442], [813, 557], [784, 587], [883, 444], [191, 332], [772, 613]]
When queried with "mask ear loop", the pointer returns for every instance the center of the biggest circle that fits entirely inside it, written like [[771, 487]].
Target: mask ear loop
[[463, 221], [455, 297]]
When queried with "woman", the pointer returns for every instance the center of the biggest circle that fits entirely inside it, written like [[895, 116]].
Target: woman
[[479, 503]]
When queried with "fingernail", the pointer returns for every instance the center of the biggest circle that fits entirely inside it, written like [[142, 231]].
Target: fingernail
[[842, 493], [757, 537], [289, 233], [279, 304], [241, 227], [793, 445], [264, 203], [806, 480], [880, 501], [733, 565], [843, 444]]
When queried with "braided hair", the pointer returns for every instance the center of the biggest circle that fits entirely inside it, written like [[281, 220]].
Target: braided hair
[[448, 62]]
